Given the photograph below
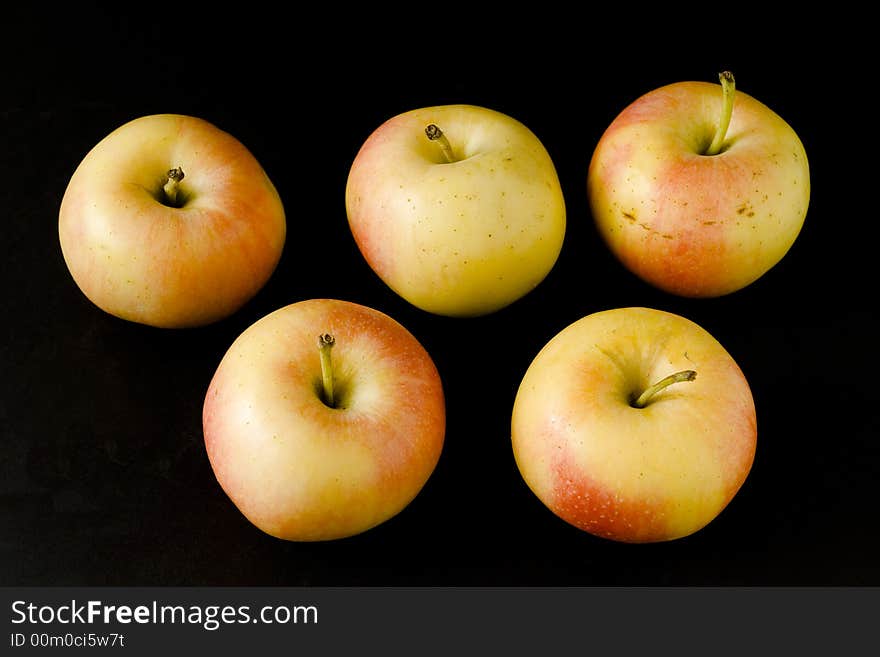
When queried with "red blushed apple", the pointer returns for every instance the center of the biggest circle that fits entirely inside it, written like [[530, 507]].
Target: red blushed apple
[[697, 189], [324, 419], [171, 222], [635, 425]]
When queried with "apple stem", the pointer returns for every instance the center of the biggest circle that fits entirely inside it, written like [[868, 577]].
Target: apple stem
[[325, 344], [645, 397], [436, 134], [728, 91], [170, 188]]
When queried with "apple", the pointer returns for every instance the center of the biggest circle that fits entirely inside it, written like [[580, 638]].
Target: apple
[[698, 189], [324, 419], [171, 222], [457, 208], [635, 425]]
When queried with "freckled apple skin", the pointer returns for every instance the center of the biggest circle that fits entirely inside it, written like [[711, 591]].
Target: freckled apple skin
[[634, 475], [464, 238], [690, 224], [170, 267], [300, 470]]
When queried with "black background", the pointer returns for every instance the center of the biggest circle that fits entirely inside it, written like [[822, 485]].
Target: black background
[[103, 474]]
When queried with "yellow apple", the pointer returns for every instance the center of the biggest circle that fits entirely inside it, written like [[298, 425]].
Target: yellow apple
[[170, 221], [699, 189], [634, 424], [457, 208], [324, 419]]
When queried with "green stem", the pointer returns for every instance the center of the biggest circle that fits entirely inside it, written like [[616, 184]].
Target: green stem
[[678, 377], [325, 344], [434, 133], [171, 185], [728, 91]]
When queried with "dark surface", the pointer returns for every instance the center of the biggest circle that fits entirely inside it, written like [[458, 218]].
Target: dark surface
[[103, 473]]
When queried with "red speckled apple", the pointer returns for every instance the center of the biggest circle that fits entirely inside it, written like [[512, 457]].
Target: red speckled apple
[[324, 419], [171, 222], [698, 189], [634, 424]]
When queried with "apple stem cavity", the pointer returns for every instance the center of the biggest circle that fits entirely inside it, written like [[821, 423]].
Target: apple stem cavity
[[434, 133], [678, 377], [170, 188], [325, 344], [728, 91]]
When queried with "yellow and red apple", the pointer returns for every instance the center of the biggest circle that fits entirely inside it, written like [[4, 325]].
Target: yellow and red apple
[[170, 221], [457, 208], [325, 418], [699, 189], [634, 424]]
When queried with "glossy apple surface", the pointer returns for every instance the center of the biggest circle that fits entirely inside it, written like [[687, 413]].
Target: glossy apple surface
[[188, 261], [655, 473], [300, 469], [462, 228], [692, 224]]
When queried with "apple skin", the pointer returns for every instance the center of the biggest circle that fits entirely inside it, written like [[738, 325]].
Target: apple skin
[[172, 267], [464, 238], [690, 224], [630, 474], [300, 470]]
